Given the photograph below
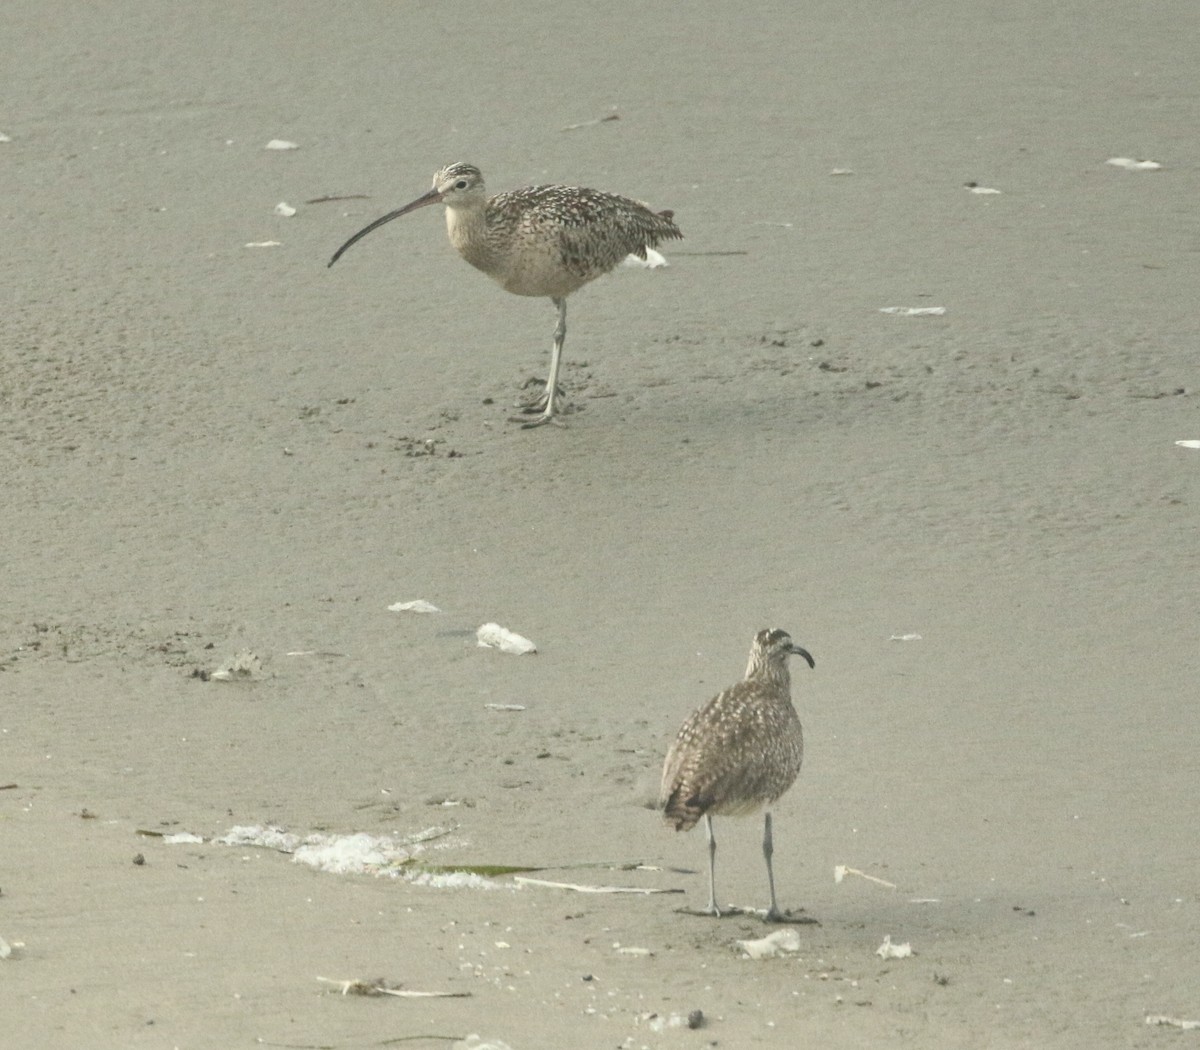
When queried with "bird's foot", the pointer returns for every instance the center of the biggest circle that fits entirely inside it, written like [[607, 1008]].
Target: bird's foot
[[774, 915], [768, 915], [711, 912], [541, 421], [542, 407], [538, 403]]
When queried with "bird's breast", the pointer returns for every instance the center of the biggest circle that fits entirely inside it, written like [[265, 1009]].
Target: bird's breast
[[521, 260]]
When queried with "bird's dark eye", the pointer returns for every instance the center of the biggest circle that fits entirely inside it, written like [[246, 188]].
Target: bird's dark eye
[[461, 184]]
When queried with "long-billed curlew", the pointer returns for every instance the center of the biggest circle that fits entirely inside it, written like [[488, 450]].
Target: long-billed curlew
[[541, 240], [740, 751]]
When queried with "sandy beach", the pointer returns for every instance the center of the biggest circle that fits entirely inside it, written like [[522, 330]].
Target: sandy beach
[[979, 522]]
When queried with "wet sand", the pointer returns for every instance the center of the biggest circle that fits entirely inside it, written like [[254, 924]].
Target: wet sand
[[209, 448]]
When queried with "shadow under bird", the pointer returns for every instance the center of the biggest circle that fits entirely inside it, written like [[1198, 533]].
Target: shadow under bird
[[738, 753], [546, 241]]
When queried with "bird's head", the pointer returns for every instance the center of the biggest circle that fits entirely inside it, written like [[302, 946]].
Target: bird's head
[[772, 647], [458, 185]]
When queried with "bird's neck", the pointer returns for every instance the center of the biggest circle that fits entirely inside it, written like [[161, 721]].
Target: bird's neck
[[773, 671], [466, 224]]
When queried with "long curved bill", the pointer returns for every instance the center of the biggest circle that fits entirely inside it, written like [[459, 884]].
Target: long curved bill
[[797, 651], [432, 197]]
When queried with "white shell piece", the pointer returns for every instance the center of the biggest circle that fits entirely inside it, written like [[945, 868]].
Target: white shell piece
[[1172, 1022], [888, 950], [1129, 164], [284, 209], [417, 606], [474, 1042], [281, 144], [493, 636], [773, 945]]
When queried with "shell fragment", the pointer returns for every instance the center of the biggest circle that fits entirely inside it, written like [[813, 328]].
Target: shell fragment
[[493, 636]]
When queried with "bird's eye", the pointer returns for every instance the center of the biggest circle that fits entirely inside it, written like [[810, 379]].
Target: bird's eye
[[461, 184]]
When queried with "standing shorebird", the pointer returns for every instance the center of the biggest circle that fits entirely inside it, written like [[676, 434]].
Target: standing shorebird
[[544, 241], [740, 751]]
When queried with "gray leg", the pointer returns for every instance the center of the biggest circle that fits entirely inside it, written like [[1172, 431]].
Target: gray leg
[[560, 337], [712, 908], [773, 913]]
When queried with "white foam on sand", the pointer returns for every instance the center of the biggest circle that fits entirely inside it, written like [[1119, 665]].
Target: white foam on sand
[[351, 854], [356, 854], [265, 836]]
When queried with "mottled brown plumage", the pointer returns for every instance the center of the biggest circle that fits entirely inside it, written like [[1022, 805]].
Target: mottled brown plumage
[[546, 241], [739, 752]]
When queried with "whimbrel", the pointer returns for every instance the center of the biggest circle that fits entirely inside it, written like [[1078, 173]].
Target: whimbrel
[[738, 752], [546, 241]]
